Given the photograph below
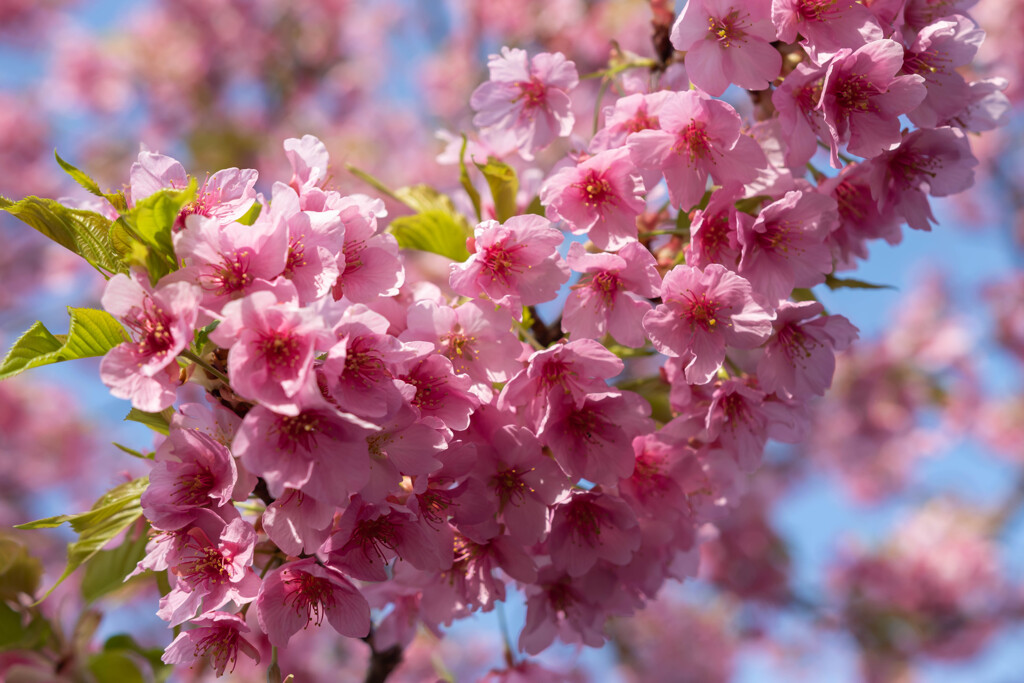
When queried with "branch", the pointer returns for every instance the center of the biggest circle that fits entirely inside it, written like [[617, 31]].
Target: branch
[[382, 662]]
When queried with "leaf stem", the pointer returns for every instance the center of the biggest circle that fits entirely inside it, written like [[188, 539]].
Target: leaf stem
[[188, 355]]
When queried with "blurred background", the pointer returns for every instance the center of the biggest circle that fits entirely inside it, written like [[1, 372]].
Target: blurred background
[[888, 547]]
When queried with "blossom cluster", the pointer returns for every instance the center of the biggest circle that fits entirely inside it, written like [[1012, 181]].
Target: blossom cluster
[[415, 447]]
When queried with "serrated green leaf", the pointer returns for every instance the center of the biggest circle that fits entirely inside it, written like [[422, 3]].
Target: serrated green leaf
[[107, 570], [115, 666], [85, 233], [116, 199], [92, 333], [152, 219], [435, 231], [504, 184], [114, 512], [158, 422], [467, 184], [834, 283]]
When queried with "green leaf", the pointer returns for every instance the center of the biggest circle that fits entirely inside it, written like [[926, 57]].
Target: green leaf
[[467, 184], [122, 642], [115, 666], [20, 573], [752, 205], [153, 218], [85, 233], [424, 198], [15, 636], [834, 283], [132, 452], [107, 570], [114, 512], [535, 207], [92, 333], [203, 336], [142, 236], [504, 184], [438, 232], [252, 214], [656, 391], [158, 422], [116, 199]]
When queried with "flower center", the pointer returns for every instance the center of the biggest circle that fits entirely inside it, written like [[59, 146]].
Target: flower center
[[693, 141], [310, 595], [595, 190], [701, 312], [532, 92], [725, 30], [854, 93]]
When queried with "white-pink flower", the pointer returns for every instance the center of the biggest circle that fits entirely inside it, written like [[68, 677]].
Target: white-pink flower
[[727, 41], [600, 197], [703, 312], [527, 99], [515, 263], [162, 320]]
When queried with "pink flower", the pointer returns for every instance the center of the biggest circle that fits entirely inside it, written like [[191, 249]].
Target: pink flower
[[315, 238], [613, 299], [304, 592], [272, 346], [441, 394], [309, 159], [217, 634], [364, 541], [592, 440], [231, 260], [527, 98], [800, 120], [727, 42], [369, 263], [799, 359], [320, 451], [698, 137], [359, 366], [297, 522], [702, 312], [192, 471], [521, 482], [862, 98], [225, 196], [935, 162], [600, 197], [475, 337], [629, 114], [714, 230], [210, 573], [785, 246], [515, 263], [163, 320], [825, 26], [938, 50], [590, 526], [574, 369]]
